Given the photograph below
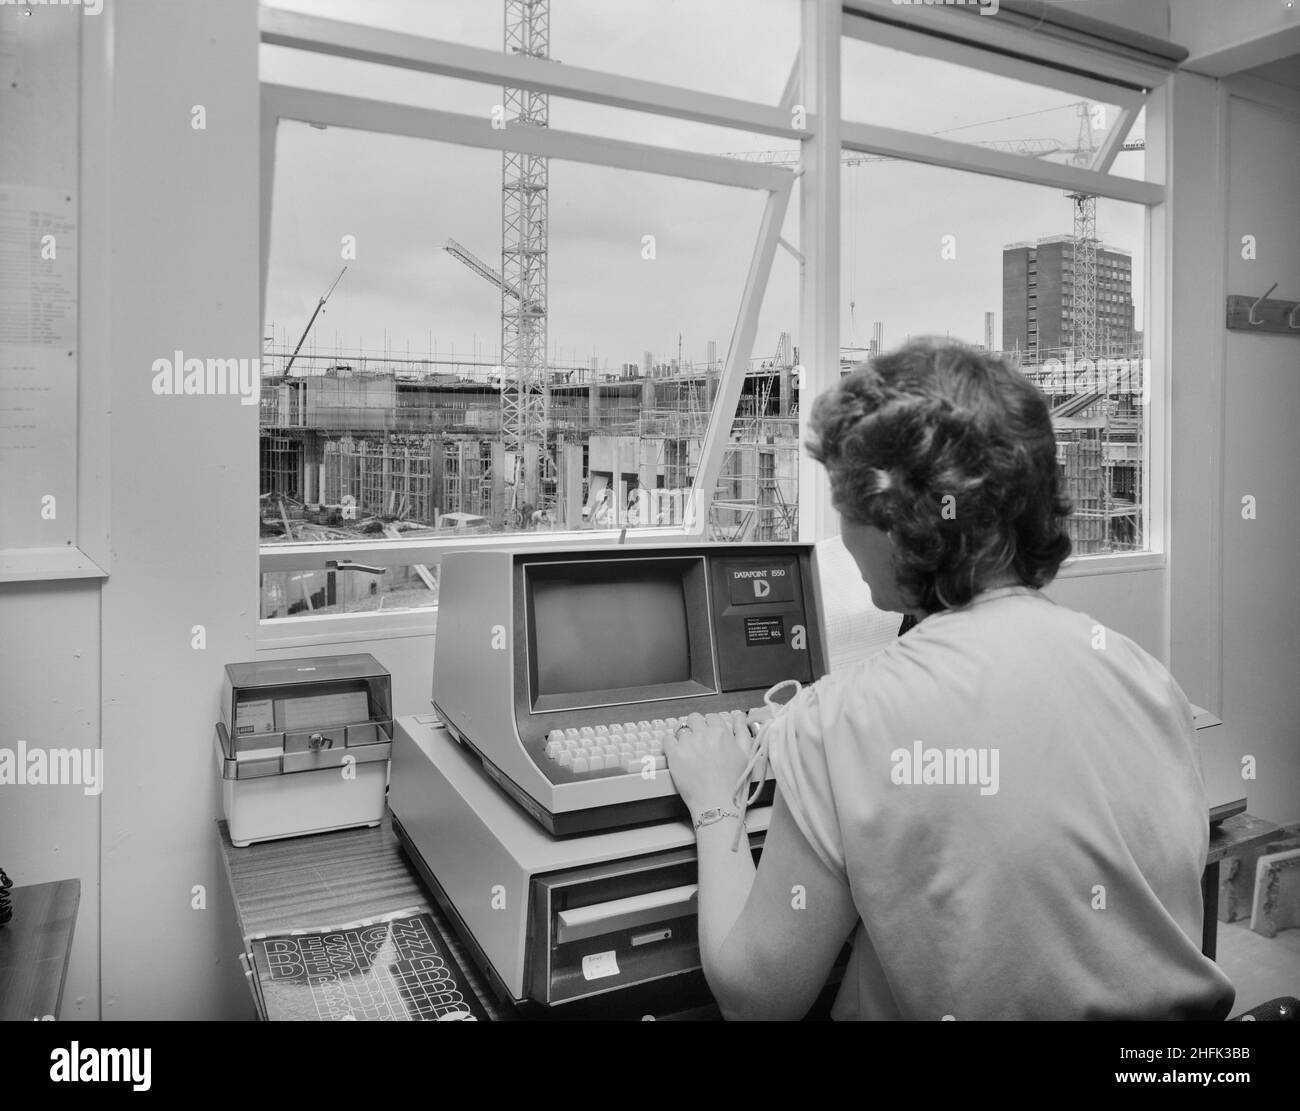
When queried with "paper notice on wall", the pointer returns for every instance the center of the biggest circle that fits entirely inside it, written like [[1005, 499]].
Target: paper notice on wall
[[38, 366], [38, 267]]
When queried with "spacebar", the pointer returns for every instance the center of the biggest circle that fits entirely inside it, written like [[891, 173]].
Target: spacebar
[[622, 914]]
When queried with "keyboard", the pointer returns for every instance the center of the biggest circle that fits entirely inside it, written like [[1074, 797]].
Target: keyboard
[[632, 747]]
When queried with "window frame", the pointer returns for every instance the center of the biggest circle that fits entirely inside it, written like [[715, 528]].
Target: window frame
[[813, 85], [320, 108]]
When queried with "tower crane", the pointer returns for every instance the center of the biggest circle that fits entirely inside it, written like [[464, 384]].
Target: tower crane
[[1083, 328], [523, 277], [481, 268], [525, 190]]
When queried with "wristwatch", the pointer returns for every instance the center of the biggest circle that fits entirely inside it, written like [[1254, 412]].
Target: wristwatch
[[712, 815]]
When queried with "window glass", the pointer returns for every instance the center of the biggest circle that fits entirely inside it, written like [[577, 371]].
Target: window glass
[[998, 264], [893, 88], [737, 48], [389, 421]]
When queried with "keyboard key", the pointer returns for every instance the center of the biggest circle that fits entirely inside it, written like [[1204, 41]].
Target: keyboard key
[[580, 765], [642, 726], [571, 733], [629, 727], [555, 735], [616, 730], [602, 730], [554, 748], [633, 765], [586, 731], [564, 758], [656, 747], [658, 723]]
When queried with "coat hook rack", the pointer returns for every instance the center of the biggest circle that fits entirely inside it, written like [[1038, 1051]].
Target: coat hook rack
[[1256, 305], [1273, 316]]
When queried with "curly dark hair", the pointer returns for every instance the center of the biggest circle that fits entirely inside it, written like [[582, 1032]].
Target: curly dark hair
[[951, 451]]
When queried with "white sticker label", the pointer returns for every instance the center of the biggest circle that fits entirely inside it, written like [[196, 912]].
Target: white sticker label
[[254, 716], [596, 966]]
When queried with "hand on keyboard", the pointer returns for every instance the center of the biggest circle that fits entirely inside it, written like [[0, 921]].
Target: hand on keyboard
[[708, 757], [636, 747]]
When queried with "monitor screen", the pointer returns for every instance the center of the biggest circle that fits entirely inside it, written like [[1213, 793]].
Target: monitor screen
[[599, 634]]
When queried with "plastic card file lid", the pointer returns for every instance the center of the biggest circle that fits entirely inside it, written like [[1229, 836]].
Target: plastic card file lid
[[295, 715]]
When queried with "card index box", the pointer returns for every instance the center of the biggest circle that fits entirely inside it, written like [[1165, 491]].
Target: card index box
[[303, 745]]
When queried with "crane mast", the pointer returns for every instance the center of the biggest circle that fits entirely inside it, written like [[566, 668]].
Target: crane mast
[[524, 219]]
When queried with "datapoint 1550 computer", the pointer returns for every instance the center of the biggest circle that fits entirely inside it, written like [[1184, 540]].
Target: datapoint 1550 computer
[[563, 671], [540, 808]]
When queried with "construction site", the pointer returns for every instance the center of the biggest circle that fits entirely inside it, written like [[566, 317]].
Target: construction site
[[1099, 447], [360, 445], [350, 453], [345, 447]]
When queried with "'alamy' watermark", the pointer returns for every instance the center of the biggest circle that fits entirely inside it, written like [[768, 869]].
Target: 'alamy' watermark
[[113, 1066], [945, 766], [179, 375], [53, 767], [986, 7]]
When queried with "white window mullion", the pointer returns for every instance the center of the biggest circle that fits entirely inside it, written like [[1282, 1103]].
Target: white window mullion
[[470, 63], [950, 155], [819, 243], [738, 352]]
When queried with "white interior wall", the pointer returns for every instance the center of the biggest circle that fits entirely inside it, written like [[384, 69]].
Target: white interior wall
[[184, 275], [1261, 460], [49, 697]]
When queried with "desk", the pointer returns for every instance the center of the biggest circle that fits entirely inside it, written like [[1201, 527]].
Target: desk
[[1231, 837], [326, 879], [35, 947], [306, 883]]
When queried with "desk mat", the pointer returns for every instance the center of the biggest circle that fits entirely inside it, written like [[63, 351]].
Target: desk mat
[[394, 968]]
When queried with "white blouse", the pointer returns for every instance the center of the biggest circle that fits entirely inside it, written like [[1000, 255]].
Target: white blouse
[[1013, 795]]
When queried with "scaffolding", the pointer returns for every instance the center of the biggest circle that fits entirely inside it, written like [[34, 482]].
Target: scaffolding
[[343, 447], [281, 466], [470, 475], [397, 478], [1099, 453]]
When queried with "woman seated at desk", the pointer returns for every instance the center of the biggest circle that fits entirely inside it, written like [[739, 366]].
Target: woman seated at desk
[[1004, 806]]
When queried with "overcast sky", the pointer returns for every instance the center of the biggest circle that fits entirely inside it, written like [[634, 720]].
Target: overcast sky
[[403, 198]]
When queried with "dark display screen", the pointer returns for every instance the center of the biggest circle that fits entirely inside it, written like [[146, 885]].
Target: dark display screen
[[610, 633]]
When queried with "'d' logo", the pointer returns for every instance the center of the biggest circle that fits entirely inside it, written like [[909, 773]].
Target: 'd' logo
[[761, 589]]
